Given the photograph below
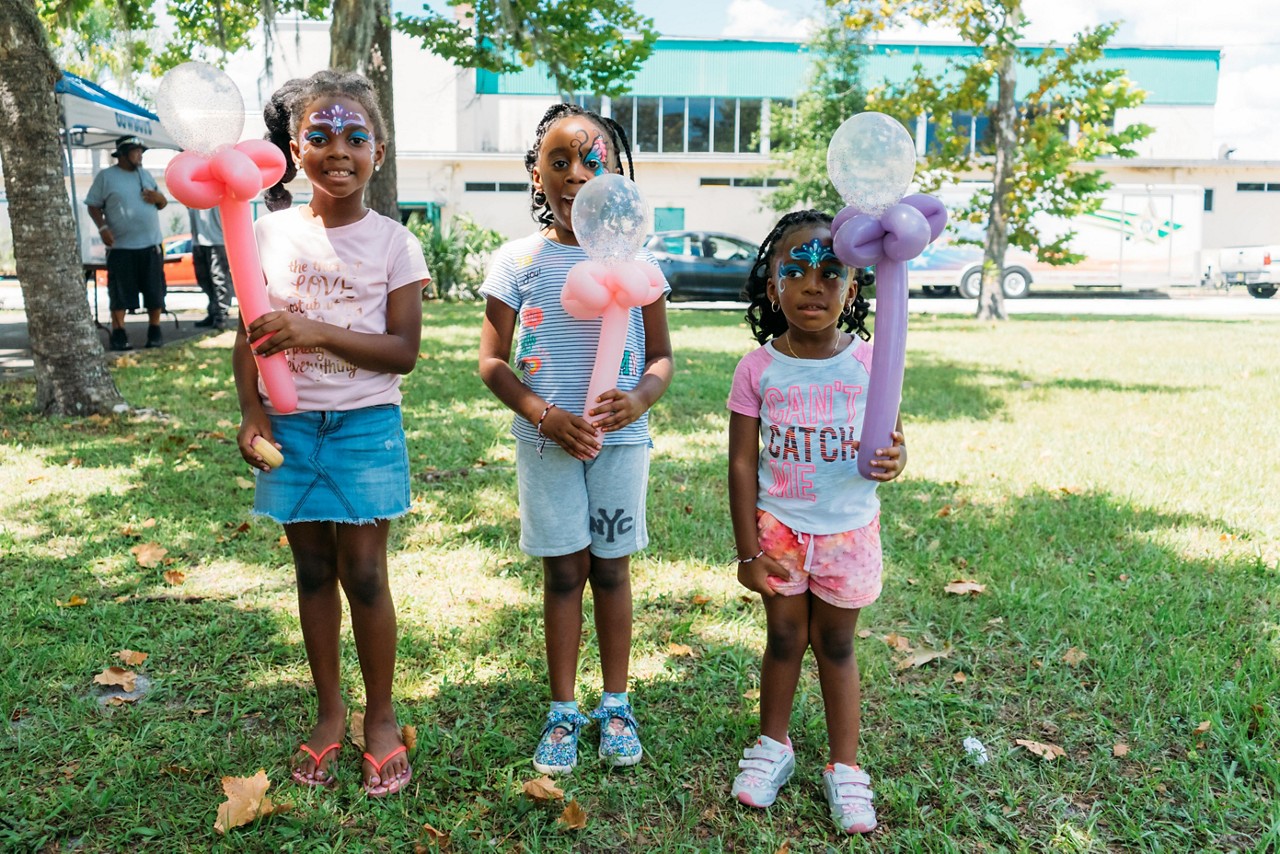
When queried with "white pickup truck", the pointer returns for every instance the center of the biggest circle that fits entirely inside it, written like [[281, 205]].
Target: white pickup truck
[[1255, 267]]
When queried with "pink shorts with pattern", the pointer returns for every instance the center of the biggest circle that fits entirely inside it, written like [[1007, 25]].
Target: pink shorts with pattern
[[840, 569]]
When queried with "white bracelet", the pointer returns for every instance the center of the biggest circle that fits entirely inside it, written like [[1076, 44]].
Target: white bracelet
[[758, 554]]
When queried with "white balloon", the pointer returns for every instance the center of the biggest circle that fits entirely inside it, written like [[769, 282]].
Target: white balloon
[[871, 160], [610, 218], [200, 107]]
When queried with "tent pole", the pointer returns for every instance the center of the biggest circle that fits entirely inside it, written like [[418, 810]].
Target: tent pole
[[75, 204]]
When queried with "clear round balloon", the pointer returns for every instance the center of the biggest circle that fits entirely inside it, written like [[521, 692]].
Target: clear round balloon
[[871, 160], [200, 106], [610, 218]]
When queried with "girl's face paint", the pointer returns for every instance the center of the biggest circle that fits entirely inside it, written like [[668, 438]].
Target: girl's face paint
[[813, 255], [335, 146], [595, 157], [337, 117], [572, 152], [810, 284]]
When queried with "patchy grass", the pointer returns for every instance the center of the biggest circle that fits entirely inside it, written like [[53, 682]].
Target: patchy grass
[[1114, 484]]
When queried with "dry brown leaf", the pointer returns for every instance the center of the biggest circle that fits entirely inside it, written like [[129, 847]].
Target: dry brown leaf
[[73, 602], [283, 541], [898, 642], [149, 522], [1202, 728], [574, 816], [1074, 656], [1047, 752], [679, 649], [864, 633], [945, 511], [543, 789], [149, 554], [701, 599], [131, 658], [784, 848], [244, 482], [126, 679], [246, 800], [120, 700], [355, 730], [751, 694], [1070, 489], [913, 581], [1119, 749], [436, 837], [959, 677], [409, 735], [962, 586], [174, 576], [921, 657]]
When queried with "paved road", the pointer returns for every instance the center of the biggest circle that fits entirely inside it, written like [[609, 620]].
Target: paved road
[[1189, 303]]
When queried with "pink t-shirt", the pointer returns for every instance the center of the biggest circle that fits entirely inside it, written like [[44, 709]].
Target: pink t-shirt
[[811, 413], [340, 276]]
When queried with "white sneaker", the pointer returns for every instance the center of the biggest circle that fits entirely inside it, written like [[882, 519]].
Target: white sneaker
[[765, 765], [849, 795]]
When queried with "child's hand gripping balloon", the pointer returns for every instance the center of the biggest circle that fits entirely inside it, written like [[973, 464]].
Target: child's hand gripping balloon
[[610, 219], [871, 161], [202, 110]]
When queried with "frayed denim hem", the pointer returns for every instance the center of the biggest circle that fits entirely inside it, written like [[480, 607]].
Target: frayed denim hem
[[373, 521]]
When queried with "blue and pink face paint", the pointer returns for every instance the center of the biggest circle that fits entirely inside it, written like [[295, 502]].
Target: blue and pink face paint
[[338, 119]]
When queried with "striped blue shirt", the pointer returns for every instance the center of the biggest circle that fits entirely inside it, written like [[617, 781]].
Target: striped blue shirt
[[554, 351]]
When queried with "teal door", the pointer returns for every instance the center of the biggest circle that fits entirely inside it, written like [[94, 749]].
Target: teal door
[[668, 219]]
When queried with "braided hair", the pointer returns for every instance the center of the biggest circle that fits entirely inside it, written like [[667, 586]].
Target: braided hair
[[767, 321], [283, 116], [539, 209]]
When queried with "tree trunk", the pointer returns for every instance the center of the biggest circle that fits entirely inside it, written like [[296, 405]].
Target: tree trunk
[[71, 371], [991, 300], [360, 40]]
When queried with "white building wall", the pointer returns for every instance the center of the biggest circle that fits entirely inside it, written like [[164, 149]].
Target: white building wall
[[1180, 132]]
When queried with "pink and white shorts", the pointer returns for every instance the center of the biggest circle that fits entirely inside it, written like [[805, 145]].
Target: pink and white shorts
[[840, 569]]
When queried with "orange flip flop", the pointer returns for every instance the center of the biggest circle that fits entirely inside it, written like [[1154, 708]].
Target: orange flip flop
[[377, 769], [317, 758]]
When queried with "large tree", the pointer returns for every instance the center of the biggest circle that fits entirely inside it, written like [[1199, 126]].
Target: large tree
[[1043, 140], [70, 368]]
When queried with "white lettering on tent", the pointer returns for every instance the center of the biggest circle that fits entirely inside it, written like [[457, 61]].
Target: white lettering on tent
[[124, 121]]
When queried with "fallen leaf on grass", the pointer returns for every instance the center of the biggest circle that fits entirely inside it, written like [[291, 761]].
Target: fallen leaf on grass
[[921, 657], [945, 511], [149, 554], [131, 658], [701, 599], [864, 633], [962, 586], [1047, 752], [898, 642], [283, 541], [751, 694], [1073, 657], [574, 816], [120, 701], [174, 576], [244, 482], [246, 800], [543, 789], [434, 837], [1202, 728], [409, 735], [73, 602], [126, 679], [355, 730], [784, 848], [959, 677], [1119, 749], [679, 649]]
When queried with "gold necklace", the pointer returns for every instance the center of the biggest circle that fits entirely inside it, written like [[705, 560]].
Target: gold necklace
[[834, 346]]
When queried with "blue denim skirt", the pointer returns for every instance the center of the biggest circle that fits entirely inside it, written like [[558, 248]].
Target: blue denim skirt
[[350, 466]]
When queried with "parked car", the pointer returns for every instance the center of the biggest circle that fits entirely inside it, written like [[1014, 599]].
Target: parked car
[[703, 265], [1255, 267], [179, 272]]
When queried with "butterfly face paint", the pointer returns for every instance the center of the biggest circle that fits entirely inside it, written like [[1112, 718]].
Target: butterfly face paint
[[815, 255]]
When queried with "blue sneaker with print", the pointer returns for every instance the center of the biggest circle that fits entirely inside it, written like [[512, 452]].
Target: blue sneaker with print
[[619, 734], [557, 751]]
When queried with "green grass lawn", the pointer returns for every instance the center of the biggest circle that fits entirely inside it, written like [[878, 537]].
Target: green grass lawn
[[1115, 485]]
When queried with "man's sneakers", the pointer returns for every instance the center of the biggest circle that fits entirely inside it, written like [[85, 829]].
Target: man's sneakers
[[765, 765], [557, 751], [120, 340], [768, 764], [154, 338], [849, 795]]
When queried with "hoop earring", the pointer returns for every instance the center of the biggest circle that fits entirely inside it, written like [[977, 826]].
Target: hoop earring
[[774, 304], [539, 198]]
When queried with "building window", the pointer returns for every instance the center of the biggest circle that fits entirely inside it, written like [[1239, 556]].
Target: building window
[[749, 127], [1251, 188], [699, 125], [646, 138], [725, 127], [744, 182], [1208, 198], [673, 124], [590, 103], [497, 187], [624, 113]]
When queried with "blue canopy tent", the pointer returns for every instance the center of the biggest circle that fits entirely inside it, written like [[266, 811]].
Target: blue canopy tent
[[93, 118]]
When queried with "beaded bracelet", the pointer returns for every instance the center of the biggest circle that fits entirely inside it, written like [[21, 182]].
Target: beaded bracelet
[[755, 556], [542, 437]]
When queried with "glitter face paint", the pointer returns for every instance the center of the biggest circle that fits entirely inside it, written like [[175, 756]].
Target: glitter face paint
[[338, 117], [813, 254]]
